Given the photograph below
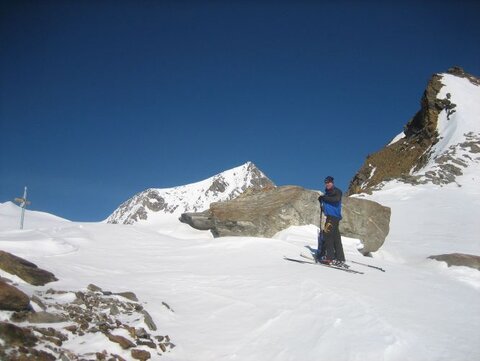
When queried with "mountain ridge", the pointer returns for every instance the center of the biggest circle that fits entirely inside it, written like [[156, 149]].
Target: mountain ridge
[[153, 204], [437, 144]]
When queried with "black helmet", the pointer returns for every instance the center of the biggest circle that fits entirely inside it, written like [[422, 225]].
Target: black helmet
[[329, 179]]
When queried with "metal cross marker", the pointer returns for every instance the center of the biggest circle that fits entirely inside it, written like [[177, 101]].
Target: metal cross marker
[[23, 204]]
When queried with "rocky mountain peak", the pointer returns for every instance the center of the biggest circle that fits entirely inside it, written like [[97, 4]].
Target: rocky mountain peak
[[151, 204], [439, 140]]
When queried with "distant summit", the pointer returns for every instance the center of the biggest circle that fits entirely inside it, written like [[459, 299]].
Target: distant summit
[[438, 144], [154, 204]]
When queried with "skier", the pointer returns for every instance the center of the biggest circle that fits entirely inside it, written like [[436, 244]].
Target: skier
[[331, 204]]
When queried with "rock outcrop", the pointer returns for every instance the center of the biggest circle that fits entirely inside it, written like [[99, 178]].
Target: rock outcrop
[[403, 157], [367, 221], [266, 212], [12, 299], [94, 315], [459, 259], [24, 269]]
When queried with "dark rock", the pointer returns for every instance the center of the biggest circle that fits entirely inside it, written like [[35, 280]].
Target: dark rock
[[202, 220], [167, 306], [367, 221], [39, 302], [101, 355], [460, 72], [20, 316], [141, 333], [459, 259], [128, 295], [80, 298], [13, 335], [93, 288], [116, 357], [140, 354], [71, 328], [12, 299], [149, 321], [114, 310], [24, 269], [45, 317], [147, 343], [122, 341], [265, 213]]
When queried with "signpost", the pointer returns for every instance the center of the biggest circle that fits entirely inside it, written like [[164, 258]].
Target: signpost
[[23, 204]]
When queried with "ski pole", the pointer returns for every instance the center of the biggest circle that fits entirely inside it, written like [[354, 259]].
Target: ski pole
[[369, 265]]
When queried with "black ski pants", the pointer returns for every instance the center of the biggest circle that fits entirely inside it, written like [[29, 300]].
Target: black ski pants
[[332, 241]]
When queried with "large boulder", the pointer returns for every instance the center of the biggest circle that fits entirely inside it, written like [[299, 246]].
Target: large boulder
[[365, 220], [12, 299], [264, 213], [24, 269], [14, 335]]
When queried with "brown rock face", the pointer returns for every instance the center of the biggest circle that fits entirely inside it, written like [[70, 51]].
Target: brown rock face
[[24, 269], [122, 341], [12, 299], [17, 336], [411, 153], [396, 160], [140, 355]]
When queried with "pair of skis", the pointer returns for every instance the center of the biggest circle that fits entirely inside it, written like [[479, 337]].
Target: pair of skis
[[311, 260]]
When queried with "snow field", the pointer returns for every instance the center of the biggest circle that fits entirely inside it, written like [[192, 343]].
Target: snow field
[[236, 298]]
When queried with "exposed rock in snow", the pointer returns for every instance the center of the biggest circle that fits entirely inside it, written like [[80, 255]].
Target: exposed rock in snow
[[459, 259], [83, 318], [24, 269]]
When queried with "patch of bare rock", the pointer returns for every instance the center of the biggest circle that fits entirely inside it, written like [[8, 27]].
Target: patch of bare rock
[[51, 324]]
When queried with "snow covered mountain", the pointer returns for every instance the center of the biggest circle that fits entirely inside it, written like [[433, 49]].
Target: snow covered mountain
[[430, 174], [439, 144], [153, 204]]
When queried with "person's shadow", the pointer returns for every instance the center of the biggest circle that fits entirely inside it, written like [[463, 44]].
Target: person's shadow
[[312, 250]]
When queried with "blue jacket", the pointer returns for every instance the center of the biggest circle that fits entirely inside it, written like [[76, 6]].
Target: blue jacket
[[331, 202]]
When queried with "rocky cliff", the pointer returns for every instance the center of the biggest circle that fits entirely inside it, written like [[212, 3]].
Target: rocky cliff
[[445, 100]]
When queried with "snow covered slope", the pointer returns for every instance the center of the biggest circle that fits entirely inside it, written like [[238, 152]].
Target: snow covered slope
[[237, 299], [458, 149], [153, 205], [10, 218], [439, 214]]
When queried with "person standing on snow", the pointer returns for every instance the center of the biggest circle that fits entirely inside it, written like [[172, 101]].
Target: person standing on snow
[[331, 204]]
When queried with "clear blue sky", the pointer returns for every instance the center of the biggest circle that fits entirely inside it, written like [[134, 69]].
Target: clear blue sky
[[100, 100]]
